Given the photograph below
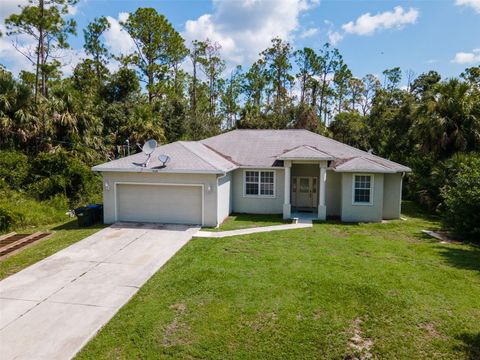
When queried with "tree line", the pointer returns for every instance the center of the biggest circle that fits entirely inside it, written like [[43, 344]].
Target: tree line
[[94, 112]]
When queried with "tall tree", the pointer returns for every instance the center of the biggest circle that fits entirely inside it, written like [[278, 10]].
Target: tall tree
[[341, 80], [94, 45], [255, 84], [330, 60], [158, 47], [213, 66], [43, 21], [391, 78], [230, 98], [197, 55], [370, 88], [356, 88], [278, 64], [307, 63]]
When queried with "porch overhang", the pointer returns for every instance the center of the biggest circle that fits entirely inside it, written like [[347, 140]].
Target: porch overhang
[[319, 193]]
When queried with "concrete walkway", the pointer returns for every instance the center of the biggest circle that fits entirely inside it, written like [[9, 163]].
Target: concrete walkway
[[51, 309], [220, 234]]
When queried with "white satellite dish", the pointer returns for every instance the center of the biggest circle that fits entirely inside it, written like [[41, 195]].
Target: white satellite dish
[[164, 159], [148, 148]]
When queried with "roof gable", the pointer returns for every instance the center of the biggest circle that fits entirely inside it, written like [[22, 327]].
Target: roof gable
[[305, 152], [361, 164]]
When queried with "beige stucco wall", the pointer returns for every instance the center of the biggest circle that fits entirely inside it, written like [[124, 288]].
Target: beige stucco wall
[[333, 193], [392, 196], [257, 204], [210, 197], [223, 197], [362, 213]]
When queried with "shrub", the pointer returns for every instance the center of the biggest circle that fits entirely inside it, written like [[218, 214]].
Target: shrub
[[17, 210], [8, 219], [14, 168], [429, 177], [461, 200], [60, 173]]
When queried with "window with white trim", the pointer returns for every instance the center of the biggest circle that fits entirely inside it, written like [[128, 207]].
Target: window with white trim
[[259, 183], [362, 189]]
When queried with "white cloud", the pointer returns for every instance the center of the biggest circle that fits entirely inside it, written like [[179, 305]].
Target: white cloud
[[334, 37], [309, 32], [117, 40], [467, 57], [10, 7], [475, 4], [368, 24], [245, 27]]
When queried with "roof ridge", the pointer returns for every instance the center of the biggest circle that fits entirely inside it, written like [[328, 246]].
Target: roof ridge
[[228, 158], [183, 143], [375, 162]]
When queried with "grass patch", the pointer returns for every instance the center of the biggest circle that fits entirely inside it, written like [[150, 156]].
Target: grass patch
[[333, 291], [65, 234], [246, 221], [22, 212]]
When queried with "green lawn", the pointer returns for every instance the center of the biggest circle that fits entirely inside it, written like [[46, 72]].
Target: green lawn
[[245, 221], [303, 294], [64, 234]]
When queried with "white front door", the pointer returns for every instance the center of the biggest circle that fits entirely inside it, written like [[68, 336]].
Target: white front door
[[304, 191]]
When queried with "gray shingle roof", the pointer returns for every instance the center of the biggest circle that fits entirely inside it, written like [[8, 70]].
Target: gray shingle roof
[[186, 156], [261, 148], [360, 164], [254, 148]]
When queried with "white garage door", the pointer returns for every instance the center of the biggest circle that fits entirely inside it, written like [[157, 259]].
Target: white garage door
[[171, 204]]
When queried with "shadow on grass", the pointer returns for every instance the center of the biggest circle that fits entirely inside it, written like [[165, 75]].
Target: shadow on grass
[[335, 221], [471, 345], [411, 209], [73, 225], [425, 238], [464, 258]]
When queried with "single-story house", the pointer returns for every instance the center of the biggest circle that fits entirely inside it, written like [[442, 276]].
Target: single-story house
[[252, 171]]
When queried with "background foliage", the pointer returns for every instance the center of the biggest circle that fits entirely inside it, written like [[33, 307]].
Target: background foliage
[[54, 127]]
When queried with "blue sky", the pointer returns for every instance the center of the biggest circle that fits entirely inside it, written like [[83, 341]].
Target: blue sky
[[371, 35]]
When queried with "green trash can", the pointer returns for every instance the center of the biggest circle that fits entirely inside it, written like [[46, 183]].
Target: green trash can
[[84, 216]]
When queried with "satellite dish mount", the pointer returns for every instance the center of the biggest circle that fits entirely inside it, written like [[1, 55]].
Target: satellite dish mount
[[148, 148], [164, 159]]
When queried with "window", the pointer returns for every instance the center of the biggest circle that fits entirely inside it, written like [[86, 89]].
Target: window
[[362, 189], [259, 183]]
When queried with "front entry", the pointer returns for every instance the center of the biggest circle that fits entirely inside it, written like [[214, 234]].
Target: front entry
[[304, 192]]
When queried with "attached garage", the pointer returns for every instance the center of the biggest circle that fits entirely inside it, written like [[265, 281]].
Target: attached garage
[[184, 190], [159, 203]]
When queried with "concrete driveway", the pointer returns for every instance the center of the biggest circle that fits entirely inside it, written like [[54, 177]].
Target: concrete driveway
[[51, 309]]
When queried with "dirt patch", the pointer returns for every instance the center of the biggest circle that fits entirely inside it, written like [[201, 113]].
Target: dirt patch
[[360, 345], [177, 326], [431, 330], [263, 320]]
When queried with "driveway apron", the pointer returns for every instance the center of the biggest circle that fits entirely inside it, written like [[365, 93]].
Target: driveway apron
[[51, 309]]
